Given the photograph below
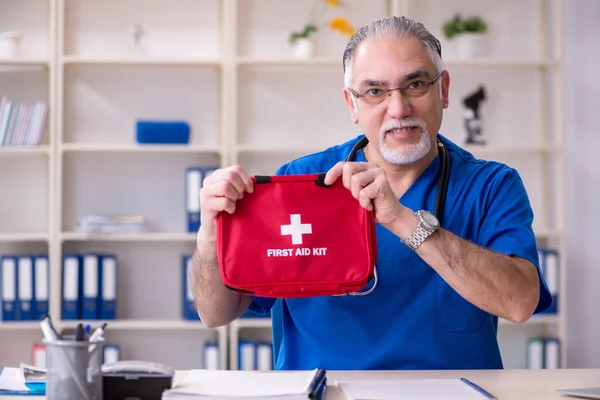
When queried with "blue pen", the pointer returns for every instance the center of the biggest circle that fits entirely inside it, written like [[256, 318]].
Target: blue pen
[[79, 333], [479, 389]]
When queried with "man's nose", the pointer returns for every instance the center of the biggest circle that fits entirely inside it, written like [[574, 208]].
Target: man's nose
[[398, 106]]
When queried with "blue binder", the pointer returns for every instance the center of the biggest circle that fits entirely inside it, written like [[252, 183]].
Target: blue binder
[[91, 287], [550, 264], [111, 353], [193, 179], [188, 306], [246, 355], [41, 285], [211, 357], [24, 288], [9, 288], [71, 286], [108, 286]]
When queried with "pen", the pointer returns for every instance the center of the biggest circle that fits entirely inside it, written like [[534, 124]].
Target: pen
[[79, 333], [479, 389], [98, 333], [48, 329], [97, 336]]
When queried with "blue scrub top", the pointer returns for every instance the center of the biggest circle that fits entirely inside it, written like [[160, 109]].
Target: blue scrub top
[[414, 319]]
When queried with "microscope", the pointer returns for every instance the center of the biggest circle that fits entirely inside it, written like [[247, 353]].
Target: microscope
[[472, 118]]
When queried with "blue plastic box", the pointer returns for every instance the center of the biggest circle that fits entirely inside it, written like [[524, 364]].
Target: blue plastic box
[[162, 132]]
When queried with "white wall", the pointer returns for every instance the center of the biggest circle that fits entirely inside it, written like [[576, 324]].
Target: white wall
[[582, 103]]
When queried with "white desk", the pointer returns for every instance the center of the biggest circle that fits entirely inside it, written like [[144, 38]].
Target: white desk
[[504, 384]]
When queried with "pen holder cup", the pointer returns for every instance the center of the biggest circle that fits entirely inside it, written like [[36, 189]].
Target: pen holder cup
[[73, 371]]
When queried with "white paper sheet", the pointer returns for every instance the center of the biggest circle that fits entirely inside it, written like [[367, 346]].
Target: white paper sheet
[[426, 389], [12, 379]]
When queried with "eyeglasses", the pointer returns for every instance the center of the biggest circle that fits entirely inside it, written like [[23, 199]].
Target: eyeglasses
[[375, 95]]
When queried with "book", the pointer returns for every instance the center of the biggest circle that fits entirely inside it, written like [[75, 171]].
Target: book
[[242, 385]]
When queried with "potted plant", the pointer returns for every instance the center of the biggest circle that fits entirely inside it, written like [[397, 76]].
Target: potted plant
[[302, 40], [9, 44], [468, 33]]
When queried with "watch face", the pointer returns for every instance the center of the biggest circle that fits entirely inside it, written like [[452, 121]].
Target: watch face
[[430, 220]]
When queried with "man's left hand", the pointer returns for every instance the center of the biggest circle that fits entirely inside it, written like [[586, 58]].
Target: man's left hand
[[369, 185]]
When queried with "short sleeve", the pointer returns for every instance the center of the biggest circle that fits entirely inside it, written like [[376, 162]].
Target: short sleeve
[[507, 225]]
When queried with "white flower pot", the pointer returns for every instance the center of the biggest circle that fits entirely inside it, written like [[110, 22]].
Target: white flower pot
[[9, 44], [303, 48], [470, 45]]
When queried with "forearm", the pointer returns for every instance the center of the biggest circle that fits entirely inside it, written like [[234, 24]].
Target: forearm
[[216, 304], [501, 285]]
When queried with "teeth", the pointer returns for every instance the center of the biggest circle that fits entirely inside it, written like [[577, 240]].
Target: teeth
[[400, 129]]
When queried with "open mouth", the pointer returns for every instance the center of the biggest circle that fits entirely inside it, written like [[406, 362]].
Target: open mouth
[[401, 133]]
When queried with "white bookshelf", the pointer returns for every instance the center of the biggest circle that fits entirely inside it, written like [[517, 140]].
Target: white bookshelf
[[28, 172], [226, 67]]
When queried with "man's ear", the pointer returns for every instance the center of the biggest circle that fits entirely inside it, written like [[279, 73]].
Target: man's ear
[[445, 89], [351, 102]]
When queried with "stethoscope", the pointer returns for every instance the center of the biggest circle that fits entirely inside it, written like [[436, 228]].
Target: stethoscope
[[440, 198]]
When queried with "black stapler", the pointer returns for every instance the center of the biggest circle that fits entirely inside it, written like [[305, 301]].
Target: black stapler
[[133, 380]]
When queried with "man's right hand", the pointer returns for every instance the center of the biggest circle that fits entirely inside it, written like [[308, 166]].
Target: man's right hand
[[221, 190], [216, 304]]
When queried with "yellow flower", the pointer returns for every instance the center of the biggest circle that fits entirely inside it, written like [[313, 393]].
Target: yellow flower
[[332, 3], [342, 25]]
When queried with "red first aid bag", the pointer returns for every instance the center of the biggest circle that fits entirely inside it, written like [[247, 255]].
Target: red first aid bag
[[294, 236]]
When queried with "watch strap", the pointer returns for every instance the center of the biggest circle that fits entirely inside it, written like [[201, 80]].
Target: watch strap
[[418, 236]]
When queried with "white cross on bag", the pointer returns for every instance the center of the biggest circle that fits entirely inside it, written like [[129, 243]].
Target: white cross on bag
[[296, 229]]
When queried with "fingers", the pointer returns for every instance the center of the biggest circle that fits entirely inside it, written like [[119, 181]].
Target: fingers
[[361, 187], [334, 173], [373, 190], [345, 170], [364, 180], [236, 176], [222, 189]]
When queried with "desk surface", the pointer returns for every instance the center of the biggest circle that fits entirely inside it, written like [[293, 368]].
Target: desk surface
[[504, 384]]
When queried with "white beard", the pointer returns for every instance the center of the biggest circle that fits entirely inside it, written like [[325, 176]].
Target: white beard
[[410, 153]]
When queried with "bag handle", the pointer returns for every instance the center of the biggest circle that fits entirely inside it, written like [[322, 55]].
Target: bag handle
[[318, 178]]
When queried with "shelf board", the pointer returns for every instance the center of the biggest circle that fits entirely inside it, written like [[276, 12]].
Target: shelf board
[[24, 150], [540, 319], [23, 64], [251, 323], [23, 237], [546, 233], [482, 151], [20, 326], [132, 148], [126, 237], [139, 324], [289, 62], [124, 61], [484, 62], [291, 148]]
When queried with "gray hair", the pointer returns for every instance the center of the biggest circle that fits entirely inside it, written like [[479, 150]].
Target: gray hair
[[399, 27]]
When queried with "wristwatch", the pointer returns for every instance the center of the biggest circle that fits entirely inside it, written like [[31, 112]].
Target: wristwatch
[[426, 225]]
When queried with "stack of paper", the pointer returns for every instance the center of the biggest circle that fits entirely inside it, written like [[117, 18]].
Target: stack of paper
[[425, 389], [109, 224], [243, 385]]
